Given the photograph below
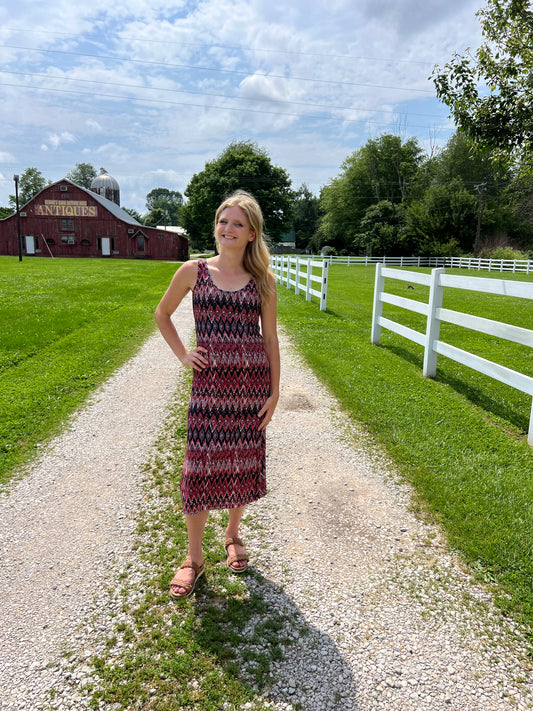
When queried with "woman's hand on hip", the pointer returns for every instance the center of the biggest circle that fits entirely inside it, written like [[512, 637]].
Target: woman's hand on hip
[[195, 359]]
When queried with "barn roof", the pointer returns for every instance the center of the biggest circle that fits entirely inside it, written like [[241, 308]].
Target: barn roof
[[108, 204]]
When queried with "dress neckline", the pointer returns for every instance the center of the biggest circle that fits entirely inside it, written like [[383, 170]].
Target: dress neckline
[[226, 291]]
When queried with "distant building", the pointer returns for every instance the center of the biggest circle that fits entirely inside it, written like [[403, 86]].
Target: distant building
[[66, 220]]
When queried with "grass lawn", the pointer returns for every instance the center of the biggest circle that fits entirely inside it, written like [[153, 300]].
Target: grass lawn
[[460, 438], [66, 325]]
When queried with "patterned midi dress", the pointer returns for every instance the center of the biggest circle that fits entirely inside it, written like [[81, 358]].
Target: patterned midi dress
[[224, 463]]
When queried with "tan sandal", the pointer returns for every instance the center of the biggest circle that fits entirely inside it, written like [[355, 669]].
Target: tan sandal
[[187, 586], [234, 558]]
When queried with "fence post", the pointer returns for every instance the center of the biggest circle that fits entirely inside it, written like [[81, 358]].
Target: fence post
[[377, 309], [308, 282], [297, 277], [530, 433], [324, 287], [436, 292], [288, 275]]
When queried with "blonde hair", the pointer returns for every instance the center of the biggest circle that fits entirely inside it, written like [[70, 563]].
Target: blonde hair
[[256, 259]]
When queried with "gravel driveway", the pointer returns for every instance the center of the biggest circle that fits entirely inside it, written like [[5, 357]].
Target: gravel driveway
[[391, 618]]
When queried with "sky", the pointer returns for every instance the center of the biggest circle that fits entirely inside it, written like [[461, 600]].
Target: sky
[[152, 90]]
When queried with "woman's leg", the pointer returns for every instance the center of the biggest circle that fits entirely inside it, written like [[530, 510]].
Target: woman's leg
[[232, 531], [195, 530]]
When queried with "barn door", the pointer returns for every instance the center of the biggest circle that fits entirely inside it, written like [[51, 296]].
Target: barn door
[[30, 244], [106, 246]]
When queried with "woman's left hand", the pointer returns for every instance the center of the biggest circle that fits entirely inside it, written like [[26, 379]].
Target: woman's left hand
[[267, 411]]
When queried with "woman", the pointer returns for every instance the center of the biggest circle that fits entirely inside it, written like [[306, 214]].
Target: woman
[[235, 387]]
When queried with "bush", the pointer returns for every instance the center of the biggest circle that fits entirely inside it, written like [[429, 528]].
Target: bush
[[502, 253]]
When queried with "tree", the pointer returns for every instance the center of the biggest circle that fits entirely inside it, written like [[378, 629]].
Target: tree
[[83, 174], [443, 223], [383, 169], [134, 213], [31, 182], [242, 165], [163, 204], [305, 215], [379, 230], [392, 166], [157, 216], [490, 94]]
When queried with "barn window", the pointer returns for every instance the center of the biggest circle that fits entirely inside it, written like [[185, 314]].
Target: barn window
[[49, 240], [140, 243], [86, 242], [67, 223], [67, 239]]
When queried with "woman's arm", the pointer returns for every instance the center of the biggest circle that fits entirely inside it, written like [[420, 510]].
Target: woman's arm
[[183, 281], [270, 337]]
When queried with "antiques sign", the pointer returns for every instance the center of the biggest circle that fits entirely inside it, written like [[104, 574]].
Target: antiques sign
[[66, 208]]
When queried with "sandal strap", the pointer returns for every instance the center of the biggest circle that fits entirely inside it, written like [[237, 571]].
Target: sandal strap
[[179, 583], [189, 564], [233, 541], [236, 558]]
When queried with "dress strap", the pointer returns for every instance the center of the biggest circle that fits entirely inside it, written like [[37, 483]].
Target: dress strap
[[202, 270]]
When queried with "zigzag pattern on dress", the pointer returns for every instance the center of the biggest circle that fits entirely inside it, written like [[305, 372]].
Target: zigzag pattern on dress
[[224, 463]]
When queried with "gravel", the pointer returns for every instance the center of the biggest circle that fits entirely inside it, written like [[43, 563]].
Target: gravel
[[376, 612]]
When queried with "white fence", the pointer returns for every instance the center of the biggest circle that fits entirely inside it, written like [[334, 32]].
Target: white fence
[[298, 272], [522, 266], [435, 314]]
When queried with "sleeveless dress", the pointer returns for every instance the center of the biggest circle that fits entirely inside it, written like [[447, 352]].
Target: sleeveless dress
[[224, 464]]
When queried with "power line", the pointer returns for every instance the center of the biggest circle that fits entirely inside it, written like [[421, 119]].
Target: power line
[[220, 96], [202, 106], [211, 69], [241, 48]]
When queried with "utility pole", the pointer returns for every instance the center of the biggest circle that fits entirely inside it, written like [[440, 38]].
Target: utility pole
[[480, 190], [16, 179]]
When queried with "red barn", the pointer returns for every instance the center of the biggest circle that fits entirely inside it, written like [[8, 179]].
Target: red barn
[[66, 220]]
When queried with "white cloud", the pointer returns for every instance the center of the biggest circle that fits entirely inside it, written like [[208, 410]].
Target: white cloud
[[56, 140], [93, 124]]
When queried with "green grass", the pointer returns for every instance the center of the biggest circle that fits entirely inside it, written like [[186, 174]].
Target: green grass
[[66, 325], [460, 438]]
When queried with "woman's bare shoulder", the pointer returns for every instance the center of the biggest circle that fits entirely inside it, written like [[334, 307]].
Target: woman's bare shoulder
[[188, 272]]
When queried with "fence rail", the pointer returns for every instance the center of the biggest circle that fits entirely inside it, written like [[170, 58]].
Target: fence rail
[[298, 272], [435, 314], [523, 266]]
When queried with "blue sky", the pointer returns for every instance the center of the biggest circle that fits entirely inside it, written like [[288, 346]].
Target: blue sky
[[153, 90]]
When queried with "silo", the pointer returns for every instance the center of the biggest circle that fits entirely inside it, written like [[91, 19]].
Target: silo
[[107, 187]]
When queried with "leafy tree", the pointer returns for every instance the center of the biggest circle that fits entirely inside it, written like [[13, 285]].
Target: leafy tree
[[83, 174], [474, 168], [31, 182], [5, 212], [163, 204], [392, 166], [490, 94], [379, 230], [383, 169], [134, 213], [444, 222], [157, 216], [242, 165], [305, 211]]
